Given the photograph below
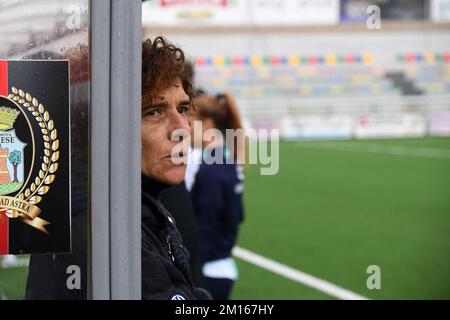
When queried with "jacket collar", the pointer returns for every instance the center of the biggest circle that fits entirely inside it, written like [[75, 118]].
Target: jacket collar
[[153, 211], [152, 187]]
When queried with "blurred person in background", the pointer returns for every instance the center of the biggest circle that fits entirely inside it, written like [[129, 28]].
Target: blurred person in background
[[216, 192]]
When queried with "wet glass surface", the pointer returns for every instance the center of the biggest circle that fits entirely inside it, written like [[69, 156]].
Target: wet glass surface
[[53, 30]]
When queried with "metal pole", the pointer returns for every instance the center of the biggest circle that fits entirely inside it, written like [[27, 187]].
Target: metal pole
[[125, 149], [99, 256], [116, 149]]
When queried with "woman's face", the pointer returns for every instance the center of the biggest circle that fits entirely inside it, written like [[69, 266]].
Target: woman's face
[[168, 113]]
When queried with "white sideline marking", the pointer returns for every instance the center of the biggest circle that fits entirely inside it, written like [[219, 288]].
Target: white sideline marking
[[383, 149], [296, 275], [18, 262]]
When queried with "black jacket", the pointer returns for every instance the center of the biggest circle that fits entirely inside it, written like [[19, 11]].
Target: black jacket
[[177, 201], [162, 278], [166, 273]]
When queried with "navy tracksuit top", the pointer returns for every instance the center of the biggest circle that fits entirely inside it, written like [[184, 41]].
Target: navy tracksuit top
[[217, 199]]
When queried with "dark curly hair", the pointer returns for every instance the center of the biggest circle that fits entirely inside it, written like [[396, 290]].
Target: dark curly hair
[[162, 64]]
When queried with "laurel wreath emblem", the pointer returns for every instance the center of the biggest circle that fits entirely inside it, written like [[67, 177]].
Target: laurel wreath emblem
[[49, 165]]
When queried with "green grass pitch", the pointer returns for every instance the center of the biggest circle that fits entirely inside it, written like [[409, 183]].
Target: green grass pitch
[[332, 213]]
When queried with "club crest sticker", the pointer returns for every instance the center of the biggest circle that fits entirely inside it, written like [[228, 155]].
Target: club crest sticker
[[30, 192], [34, 157]]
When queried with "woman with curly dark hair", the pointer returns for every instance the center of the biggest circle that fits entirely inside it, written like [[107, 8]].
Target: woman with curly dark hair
[[166, 101], [167, 93]]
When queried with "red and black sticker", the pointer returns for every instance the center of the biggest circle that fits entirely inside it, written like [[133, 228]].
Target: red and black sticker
[[34, 157]]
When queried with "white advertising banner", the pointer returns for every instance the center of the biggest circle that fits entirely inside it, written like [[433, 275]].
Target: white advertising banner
[[440, 10], [317, 127], [390, 125], [294, 12], [239, 12], [439, 123]]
